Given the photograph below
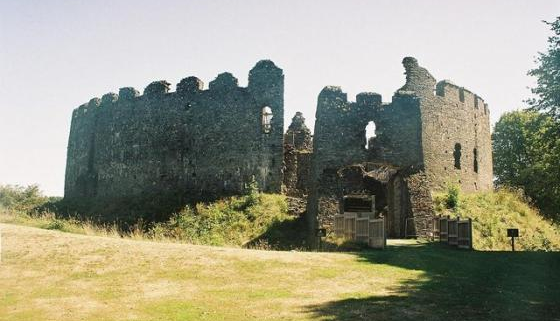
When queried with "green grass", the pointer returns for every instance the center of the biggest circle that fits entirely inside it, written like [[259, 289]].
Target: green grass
[[49, 275], [494, 212]]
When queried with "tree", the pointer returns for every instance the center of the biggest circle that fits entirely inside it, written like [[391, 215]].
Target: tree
[[547, 74], [525, 157]]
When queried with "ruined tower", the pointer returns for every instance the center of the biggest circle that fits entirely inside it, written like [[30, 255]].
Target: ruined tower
[[298, 147], [165, 148], [428, 136]]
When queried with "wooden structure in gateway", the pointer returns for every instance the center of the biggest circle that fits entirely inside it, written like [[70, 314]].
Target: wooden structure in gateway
[[358, 222]]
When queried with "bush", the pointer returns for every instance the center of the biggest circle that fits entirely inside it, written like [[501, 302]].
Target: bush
[[230, 221], [56, 224], [452, 197], [23, 199]]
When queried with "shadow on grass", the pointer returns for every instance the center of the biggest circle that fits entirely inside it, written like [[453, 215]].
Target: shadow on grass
[[283, 235], [458, 285]]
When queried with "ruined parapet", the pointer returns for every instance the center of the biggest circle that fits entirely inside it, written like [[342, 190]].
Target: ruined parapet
[[457, 94], [297, 153], [298, 135], [418, 80]]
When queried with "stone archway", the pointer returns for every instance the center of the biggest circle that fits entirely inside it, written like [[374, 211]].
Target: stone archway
[[384, 183]]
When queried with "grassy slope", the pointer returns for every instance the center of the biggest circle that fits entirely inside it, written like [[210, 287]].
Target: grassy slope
[[494, 212], [49, 275], [232, 221]]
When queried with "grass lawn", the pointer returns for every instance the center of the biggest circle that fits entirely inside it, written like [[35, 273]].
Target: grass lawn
[[50, 275]]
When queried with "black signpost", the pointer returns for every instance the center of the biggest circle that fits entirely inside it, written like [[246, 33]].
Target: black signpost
[[513, 233], [320, 233]]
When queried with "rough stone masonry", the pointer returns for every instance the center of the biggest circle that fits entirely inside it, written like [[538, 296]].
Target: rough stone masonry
[[198, 144]]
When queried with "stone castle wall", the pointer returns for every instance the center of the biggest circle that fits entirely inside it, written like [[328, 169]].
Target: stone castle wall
[[192, 143]]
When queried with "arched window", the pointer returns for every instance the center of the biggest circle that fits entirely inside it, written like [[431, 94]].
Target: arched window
[[266, 118], [370, 134], [457, 156], [475, 152]]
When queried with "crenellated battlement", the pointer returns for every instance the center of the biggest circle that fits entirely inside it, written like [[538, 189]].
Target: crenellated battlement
[[157, 89], [453, 93], [368, 99], [109, 98], [224, 81], [333, 93], [128, 93], [261, 77], [190, 85]]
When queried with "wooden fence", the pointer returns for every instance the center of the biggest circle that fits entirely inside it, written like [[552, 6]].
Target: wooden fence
[[361, 229], [455, 232]]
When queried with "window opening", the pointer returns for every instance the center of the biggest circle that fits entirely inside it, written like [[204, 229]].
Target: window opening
[[266, 119], [370, 135], [457, 155], [475, 152]]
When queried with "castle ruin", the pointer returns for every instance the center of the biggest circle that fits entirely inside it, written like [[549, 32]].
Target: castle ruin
[[198, 144]]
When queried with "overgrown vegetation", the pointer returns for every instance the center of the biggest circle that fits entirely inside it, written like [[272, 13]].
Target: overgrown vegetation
[[494, 212], [23, 199], [236, 221], [230, 221]]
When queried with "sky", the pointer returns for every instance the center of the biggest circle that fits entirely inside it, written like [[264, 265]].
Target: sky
[[56, 55]]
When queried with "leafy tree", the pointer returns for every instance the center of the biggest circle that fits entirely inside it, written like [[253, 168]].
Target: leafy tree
[[548, 76], [19, 198], [525, 157]]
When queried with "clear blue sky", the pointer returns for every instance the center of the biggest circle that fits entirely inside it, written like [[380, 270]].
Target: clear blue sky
[[56, 55]]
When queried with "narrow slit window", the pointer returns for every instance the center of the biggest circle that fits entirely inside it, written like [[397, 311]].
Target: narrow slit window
[[266, 120], [457, 156], [475, 165]]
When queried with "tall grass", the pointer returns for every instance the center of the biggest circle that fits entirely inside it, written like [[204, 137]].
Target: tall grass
[[234, 221], [493, 212], [50, 221]]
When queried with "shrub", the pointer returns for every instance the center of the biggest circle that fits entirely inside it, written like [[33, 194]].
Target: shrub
[[230, 221], [19, 198], [452, 197]]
